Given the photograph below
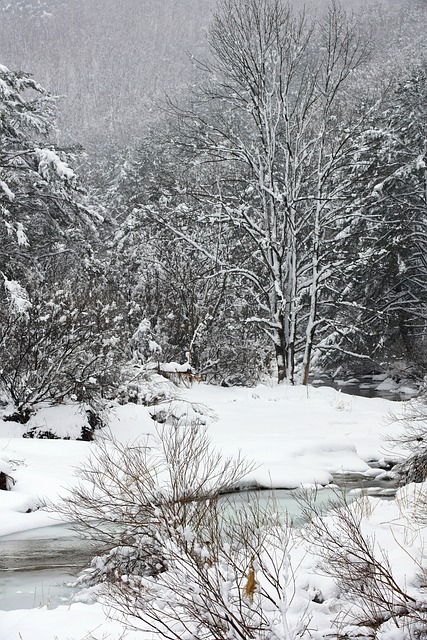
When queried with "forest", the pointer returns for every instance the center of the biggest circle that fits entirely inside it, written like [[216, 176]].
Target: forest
[[240, 189], [205, 205]]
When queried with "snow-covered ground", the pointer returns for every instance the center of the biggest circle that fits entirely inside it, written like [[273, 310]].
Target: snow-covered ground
[[296, 436]]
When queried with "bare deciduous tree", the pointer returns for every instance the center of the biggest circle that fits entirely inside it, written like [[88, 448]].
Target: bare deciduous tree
[[274, 124]]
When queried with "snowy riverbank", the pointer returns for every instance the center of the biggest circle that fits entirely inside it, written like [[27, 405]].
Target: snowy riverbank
[[295, 436]]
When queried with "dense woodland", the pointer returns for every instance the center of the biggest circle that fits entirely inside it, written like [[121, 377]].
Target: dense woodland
[[238, 186]]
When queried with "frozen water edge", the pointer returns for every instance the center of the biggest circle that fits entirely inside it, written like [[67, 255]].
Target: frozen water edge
[[296, 437], [38, 567]]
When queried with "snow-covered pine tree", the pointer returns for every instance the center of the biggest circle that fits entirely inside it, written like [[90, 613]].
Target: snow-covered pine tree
[[52, 338], [382, 313]]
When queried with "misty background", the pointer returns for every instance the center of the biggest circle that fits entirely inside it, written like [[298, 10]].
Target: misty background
[[112, 63]]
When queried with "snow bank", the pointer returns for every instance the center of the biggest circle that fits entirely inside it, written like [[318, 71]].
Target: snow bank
[[295, 436], [76, 622]]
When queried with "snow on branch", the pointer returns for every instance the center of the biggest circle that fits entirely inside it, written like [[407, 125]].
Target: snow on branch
[[50, 161], [18, 296], [9, 194], [17, 229]]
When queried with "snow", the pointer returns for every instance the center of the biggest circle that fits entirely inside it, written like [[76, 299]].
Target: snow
[[175, 367], [296, 436], [6, 190], [21, 236], [76, 622], [48, 159], [420, 163], [17, 295]]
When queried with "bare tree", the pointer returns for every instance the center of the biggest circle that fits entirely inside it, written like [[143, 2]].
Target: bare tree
[[274, 118]]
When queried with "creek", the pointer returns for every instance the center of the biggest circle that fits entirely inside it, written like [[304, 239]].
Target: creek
[[368, 386], [38, 567]]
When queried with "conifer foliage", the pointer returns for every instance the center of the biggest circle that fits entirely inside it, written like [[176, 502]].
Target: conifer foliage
[[50, 336]]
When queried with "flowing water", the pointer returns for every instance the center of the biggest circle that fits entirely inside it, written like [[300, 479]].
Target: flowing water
[[368, 386]]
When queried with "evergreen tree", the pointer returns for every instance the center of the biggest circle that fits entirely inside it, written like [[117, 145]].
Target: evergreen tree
[[385, 251], [54, 330]]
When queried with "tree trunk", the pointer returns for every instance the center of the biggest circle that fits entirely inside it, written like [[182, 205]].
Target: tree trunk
[[281, 353]]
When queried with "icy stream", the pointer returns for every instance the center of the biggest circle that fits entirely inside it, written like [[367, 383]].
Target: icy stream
[[38, 566], [368, 386]]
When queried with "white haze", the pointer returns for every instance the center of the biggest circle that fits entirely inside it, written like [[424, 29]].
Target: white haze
[[113, 61]]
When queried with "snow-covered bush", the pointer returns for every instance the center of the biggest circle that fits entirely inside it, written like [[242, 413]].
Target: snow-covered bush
[[180, 559], [374, 552], [59, 349], [142, 385], [414, 439], [124, 488]]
